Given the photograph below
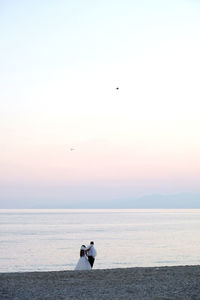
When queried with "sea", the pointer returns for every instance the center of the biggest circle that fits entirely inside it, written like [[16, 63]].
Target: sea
[[50, 240]]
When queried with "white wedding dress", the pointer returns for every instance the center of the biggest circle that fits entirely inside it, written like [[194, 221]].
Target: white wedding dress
[[83, 264]]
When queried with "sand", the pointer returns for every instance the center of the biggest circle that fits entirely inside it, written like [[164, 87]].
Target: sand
[[163, 283]]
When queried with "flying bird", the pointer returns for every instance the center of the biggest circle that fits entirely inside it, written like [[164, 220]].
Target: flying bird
[[117, 88]]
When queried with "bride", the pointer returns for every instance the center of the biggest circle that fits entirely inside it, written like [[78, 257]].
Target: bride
[[83, 263]]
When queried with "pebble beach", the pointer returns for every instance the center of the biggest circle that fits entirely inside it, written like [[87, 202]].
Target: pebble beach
[[159, 283]]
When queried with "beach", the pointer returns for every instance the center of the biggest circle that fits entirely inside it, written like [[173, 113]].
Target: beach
[[159, 283]]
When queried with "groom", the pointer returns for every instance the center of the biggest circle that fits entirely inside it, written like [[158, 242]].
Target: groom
[[91, 253]]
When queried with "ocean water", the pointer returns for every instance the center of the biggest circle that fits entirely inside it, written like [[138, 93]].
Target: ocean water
[[44, 240]]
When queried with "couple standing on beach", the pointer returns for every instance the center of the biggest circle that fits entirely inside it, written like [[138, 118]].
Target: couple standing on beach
[[87, 257]]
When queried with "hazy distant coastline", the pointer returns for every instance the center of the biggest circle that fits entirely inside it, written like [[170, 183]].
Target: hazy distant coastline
[[180, 282], [154, 201]]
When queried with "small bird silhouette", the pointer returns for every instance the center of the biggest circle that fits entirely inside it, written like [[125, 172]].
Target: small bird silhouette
[[117, 88]]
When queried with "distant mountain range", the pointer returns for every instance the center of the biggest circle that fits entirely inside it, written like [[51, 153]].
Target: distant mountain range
[[185, 200]]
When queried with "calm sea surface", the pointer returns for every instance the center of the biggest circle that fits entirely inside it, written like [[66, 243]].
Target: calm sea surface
[[43, 240]]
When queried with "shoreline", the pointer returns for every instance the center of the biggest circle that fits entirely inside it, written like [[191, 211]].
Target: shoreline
[[140, 283]]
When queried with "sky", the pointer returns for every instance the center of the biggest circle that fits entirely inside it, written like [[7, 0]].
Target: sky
[[60, 65]]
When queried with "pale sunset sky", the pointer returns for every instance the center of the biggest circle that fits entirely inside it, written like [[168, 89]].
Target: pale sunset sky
[[69, 138]]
